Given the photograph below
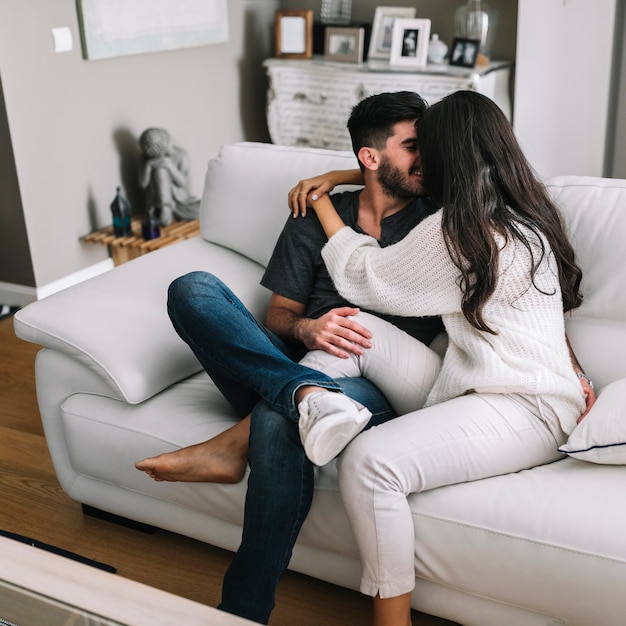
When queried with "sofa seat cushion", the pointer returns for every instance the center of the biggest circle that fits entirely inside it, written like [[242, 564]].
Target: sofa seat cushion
[[560, 524], [491, 538], [105, 437]]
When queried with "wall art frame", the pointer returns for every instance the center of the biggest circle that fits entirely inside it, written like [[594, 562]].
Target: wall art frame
[[344, 44], [409, 43], [294, 34], [382, 30], [112, 28]]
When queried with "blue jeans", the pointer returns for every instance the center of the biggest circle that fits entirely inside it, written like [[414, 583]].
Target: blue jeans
[[245, 360], [233, 347], [280, 491]]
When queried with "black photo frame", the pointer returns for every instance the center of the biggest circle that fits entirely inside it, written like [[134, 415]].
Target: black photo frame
[[464, 52]]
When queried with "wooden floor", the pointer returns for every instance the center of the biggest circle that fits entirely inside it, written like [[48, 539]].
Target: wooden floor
[[34, 505]]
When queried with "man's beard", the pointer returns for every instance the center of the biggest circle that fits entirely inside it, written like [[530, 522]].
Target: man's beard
[[394, 183]]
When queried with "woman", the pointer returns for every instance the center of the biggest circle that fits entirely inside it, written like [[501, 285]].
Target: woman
[[496, 264]]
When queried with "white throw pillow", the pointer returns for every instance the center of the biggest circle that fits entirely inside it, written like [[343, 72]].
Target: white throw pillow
[[601, 436]]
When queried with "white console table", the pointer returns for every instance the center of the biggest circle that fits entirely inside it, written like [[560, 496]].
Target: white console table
[[309, 101]]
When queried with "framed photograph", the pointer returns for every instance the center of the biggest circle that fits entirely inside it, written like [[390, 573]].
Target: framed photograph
[[344, 45], [382, 30], [464, 52], [294, 34], [409, 43]]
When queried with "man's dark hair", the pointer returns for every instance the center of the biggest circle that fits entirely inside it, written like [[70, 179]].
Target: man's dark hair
[[371, 121]]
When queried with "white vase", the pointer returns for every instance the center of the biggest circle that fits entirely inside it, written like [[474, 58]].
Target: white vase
[[437, 50], [476, 19]]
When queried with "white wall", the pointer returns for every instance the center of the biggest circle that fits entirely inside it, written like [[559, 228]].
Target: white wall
[[563, 84]]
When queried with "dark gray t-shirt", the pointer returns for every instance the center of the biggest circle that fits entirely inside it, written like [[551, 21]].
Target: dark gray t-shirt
[[297, 271]]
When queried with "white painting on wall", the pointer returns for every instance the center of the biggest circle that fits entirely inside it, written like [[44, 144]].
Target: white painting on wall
[[111, 28]]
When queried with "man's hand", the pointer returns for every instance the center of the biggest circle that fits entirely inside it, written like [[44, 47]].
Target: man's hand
[[335, 332]]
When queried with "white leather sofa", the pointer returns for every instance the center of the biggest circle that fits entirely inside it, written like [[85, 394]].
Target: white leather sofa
[[115, 384]]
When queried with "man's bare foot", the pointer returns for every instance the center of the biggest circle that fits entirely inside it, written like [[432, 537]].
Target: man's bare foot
[[222, 459]]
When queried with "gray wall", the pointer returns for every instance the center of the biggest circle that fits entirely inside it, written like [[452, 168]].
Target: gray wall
[[14, 251], [69, 127]]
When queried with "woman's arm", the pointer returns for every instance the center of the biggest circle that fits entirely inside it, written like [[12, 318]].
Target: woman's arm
[[319, 185], [327, 215], [585, 381]]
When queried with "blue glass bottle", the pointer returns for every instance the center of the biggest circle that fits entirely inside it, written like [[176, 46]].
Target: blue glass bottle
[[121, 215]]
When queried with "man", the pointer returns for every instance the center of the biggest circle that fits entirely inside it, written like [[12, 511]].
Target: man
[[305, 313]]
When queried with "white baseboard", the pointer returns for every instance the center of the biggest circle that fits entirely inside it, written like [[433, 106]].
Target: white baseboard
[[16, 295], [21, 295]]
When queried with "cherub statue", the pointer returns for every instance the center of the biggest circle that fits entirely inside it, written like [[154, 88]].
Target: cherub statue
[[163, 174]]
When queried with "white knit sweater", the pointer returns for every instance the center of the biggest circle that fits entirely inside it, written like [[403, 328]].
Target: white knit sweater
[[416, 276]]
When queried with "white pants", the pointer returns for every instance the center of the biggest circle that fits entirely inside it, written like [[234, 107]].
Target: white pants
[[402, 368], [468, 438]]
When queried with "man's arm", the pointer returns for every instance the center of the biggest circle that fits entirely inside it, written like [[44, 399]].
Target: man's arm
[[585, 381], [334, 332]]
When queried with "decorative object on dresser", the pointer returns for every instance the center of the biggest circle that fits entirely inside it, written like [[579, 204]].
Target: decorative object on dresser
[[309, 101], [344, 45], [294, 34], [437, 50], [409, 42], [464, 52], [477, 19], [336, 12], [382, 30]]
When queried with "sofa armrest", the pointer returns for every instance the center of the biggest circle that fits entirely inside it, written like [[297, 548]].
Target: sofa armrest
[[116, 324]]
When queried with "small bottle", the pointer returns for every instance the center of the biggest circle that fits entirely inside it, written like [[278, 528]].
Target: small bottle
[[437, 50], [121, 215], [150, 228]]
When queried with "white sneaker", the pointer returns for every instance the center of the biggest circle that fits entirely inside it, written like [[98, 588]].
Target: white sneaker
[[329, 421]]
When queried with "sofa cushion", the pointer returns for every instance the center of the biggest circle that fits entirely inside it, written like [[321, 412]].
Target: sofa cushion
[[117, 326], [595, 215], [260, 208], [601, 435]]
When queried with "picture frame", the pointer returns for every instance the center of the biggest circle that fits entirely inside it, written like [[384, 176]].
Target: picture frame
[[409, 43], [382, 30], [114, 28], [464, 52], [344, 44], [294, 34]]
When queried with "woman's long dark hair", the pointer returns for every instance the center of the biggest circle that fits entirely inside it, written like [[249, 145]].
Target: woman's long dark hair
[[475, 169]]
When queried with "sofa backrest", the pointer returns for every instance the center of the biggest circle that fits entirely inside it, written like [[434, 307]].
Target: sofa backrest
[[244, 203], [244, 207], [594, 210]]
